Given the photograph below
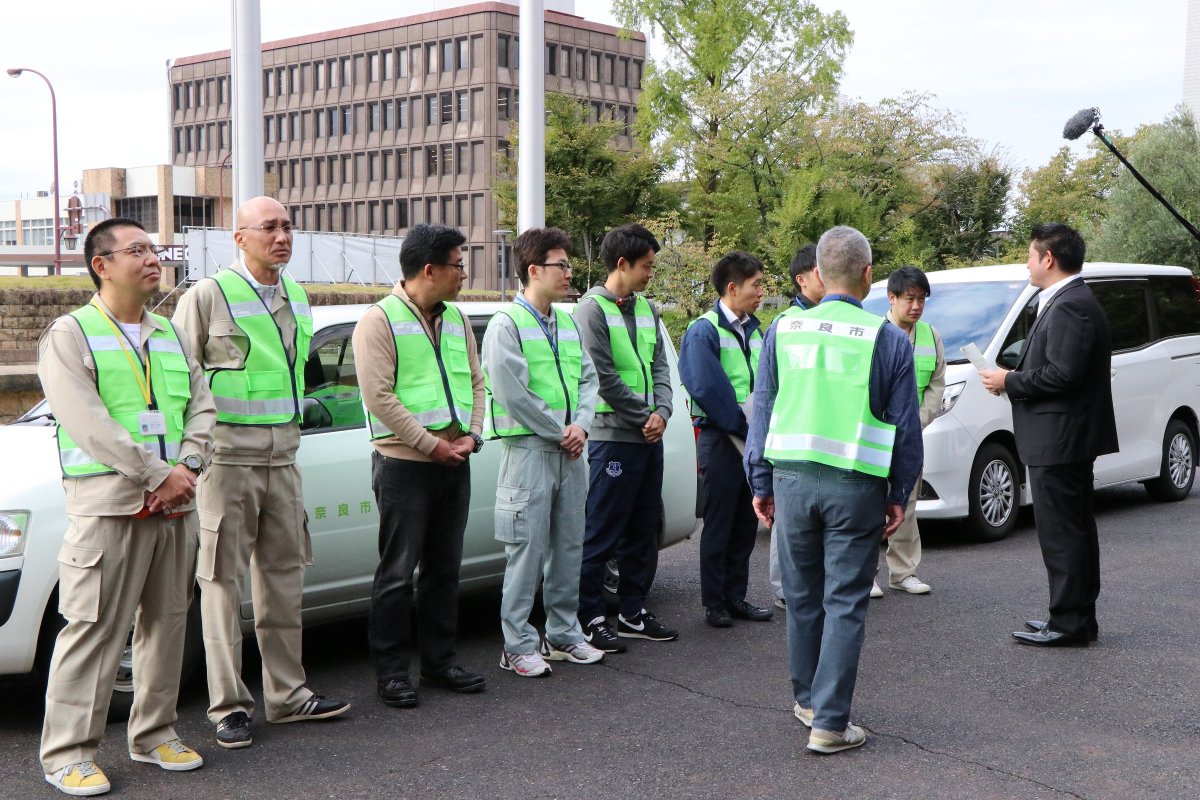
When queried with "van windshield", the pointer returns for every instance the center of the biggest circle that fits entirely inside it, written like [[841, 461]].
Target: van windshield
[[962, 312]]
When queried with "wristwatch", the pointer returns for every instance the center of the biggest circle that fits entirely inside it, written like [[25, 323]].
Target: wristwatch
[[478, 441], [194, 463]]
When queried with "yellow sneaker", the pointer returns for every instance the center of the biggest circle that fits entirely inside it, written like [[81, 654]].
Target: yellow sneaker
[[80, 780], [173, 755]]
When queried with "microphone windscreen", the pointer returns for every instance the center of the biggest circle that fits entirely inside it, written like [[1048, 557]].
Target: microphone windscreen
[[1079, 124]]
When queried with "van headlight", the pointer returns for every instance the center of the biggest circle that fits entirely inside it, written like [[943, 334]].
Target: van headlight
[[950, 396], [13, 527]]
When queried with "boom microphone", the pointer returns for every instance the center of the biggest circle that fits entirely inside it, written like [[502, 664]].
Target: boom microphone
[[1078, 125]]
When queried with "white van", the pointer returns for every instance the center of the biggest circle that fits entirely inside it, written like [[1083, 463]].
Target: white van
[[971, 465]]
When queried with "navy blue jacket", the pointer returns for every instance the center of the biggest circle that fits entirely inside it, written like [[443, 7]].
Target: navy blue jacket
[[704, 378]]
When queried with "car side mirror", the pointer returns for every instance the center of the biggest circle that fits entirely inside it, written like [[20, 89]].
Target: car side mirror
[[1011, 355], [314, 415]]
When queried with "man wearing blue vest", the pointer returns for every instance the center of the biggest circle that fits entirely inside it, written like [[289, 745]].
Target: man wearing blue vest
[[418, 368], [541, 402], [907, 289], [833, 453], [718, 360], [250, 327], [135, 421], [620, 332]]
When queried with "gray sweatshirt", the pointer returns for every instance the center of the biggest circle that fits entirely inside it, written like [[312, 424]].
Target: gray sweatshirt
[[631, 412]]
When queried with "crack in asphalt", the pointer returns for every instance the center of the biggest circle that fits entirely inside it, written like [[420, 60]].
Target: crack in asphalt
[[911, 742]]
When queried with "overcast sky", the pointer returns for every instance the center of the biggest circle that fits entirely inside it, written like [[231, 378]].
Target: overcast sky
[[1013, 71]]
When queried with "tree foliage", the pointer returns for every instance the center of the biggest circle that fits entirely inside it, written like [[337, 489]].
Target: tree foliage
[[591, 186], [1066, 189]]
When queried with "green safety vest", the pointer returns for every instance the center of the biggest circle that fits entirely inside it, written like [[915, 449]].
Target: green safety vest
[[434, 384], [269, 387], [924, 356], [632, 365], [119, 389], [741, 368], [554, 378], [822, 410]]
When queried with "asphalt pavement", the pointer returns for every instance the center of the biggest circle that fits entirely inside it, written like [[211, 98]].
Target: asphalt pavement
[[954, 708]]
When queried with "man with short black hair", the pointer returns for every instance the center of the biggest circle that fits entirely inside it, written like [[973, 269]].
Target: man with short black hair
[[418, 368], [621, 333], [250, 326], [1063, 419], [135, 420], [807, 288], [541, 402], [907, 289], [718, 361]]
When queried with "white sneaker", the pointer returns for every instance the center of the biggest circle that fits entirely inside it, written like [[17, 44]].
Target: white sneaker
[[913, 585], [527, 665], [876, 592], [803, 714], [577, 653], [780, 603], [820, 741]]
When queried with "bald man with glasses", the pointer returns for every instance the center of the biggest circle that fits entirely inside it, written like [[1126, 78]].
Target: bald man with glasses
[[250, 326]]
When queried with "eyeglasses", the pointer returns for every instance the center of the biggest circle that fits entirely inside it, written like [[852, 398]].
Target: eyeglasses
[[565, 266], [461, 266], [270, 228], [138, 251]]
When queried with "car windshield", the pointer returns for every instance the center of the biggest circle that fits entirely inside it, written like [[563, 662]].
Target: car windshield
[[962, 312]]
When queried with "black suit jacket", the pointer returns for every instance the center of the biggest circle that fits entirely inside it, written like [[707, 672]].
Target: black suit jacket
[[1061, 390]]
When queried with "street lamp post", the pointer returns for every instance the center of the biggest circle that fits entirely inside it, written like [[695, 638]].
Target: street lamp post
[[16, 73], [503, 263]]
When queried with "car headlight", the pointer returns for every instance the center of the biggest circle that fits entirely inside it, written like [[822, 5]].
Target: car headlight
[[13, 527], [950, 396]]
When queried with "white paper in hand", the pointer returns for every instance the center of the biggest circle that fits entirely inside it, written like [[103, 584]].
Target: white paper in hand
[[975, 357]]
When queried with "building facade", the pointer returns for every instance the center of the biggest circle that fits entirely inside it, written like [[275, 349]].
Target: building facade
[[377, 128]]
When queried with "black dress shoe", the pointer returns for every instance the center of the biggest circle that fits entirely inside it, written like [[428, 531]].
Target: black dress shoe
[[397, 692], [1037, 625], [456, 679], [718, 616], [743, 610], [1047, 637]]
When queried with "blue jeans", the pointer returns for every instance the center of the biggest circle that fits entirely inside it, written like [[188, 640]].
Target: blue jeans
[[829, 522]]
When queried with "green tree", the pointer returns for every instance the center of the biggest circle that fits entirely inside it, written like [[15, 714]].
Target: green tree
[[1066, 189], [1137, 228], [590, 185], [732, 97], [966, 208]]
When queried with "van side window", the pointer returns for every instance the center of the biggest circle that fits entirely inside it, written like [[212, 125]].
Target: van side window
[[332, 398], [1014, 342], [1124, 304], [1177, 306]]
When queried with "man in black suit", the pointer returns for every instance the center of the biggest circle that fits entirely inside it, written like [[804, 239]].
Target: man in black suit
[[1062, 419]]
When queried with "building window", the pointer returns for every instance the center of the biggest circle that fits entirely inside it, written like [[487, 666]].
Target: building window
[[447, 99], [319, 172], [347, 120], [462, 212], [637, 74], [373, 167], [477, 49], [401, 114], [401, 160], [447, 156], [431, 165], [431, 110], [609, 68], [201, 93], [388, 116], [294, 78], [223, 135], [565, 67], [201, 138], [447, 56], [401, 214], [223, 89], [141, 209], [319, 75], [295, 133], [594, 74], [623, 72], [460, 158], [503, 95], [269, 130], [8, 232], [502, 43], [373, 67], [373, 117], [581, 64], [41, 231], [431, 210], [332, 69], [402, 63], [280, 123], [347, 169], [281, 82], [430, 58], [347, 71], [387, 63], [477, 157], [389, 160], [551, 59], [360, 167], [179, 144], [464, 55], [447, 210], [268, 87], [179, 97], [331, 121], [463, 101]]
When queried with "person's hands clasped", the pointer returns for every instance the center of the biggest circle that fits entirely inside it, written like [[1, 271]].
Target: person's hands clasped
[[653, 430], [448, 454], [178, 489], [573, 440]]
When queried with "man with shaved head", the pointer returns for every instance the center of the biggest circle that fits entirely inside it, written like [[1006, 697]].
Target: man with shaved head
[[250, 327]]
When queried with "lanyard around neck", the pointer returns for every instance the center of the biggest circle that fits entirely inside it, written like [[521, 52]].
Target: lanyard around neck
[[143, 384]]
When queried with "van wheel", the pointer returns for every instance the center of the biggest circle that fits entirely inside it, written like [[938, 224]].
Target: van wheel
[[1178, 468], [994, 493]]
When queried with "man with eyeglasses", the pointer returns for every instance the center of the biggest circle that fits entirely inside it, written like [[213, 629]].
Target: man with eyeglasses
[[135, 425], [541, 401], [620, 332], [418, 368], [250, 325]]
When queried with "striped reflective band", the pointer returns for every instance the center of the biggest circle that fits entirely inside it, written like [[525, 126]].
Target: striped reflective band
[[407, 329], [794, 442], [77, 457], [254, 408]]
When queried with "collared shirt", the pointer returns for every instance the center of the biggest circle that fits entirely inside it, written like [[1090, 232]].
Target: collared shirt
[[67, 370], [549, 323], [736, 323], [893, 393], [375, 360], [1050, 291], [202, 317]]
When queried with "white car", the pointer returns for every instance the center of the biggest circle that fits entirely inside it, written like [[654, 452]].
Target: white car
[[334, 457], [971, 465]]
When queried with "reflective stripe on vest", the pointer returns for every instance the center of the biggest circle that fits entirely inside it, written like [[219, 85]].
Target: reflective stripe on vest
[[632, 365], [269, 387], [733, 360], [427, 380], [119, 389], [554, 378], [924, 356], [822, 411]]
